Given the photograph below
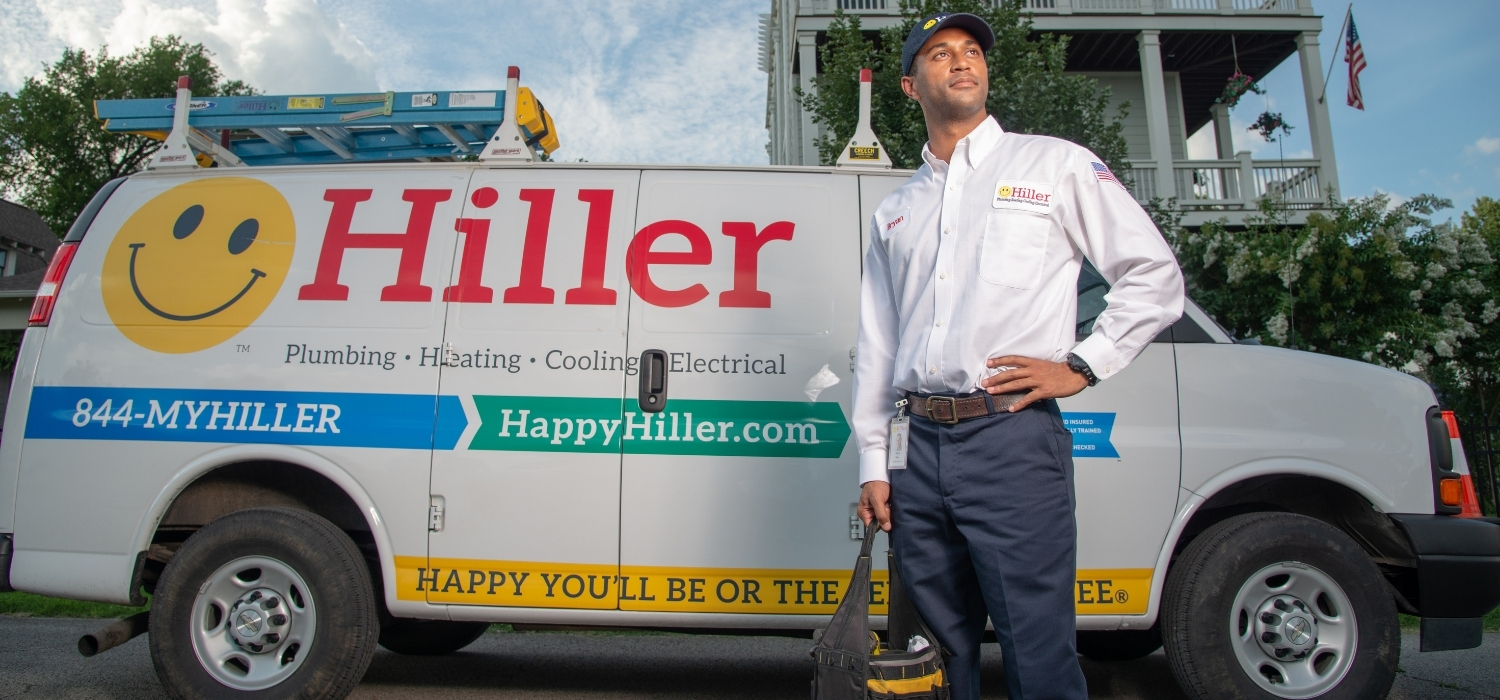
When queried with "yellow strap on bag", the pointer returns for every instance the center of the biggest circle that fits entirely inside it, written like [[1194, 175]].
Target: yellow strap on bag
[[921, 684]]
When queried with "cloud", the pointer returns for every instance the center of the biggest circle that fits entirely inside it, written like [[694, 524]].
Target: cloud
[[641, 81], [277, 46], [1393, 200], [1487, 145], [644, 81]]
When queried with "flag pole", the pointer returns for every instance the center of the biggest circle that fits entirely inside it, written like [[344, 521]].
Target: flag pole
[[1342, 39]]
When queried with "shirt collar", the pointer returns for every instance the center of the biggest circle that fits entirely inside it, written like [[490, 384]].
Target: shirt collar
[[973, 147]]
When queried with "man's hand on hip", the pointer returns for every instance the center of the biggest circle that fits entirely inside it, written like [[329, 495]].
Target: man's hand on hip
[[875, 503], [1040, 380]]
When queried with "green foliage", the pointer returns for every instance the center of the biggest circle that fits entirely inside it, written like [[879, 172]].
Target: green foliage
[[1028, 91], [54, 154], [1366, 280], [32, 605]]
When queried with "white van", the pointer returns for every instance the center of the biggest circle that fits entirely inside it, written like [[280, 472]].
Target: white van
[[310, 408]]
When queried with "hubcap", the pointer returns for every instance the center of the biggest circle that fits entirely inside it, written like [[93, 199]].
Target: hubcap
[[1294, 630], [253, 621]]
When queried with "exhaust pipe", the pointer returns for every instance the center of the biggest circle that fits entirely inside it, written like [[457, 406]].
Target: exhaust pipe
[[114, 635]]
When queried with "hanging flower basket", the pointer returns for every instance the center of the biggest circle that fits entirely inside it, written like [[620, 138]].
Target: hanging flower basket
[[1238, 85], [1268, 124]]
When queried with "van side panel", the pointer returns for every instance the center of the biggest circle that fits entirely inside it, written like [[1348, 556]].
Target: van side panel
[[15, 423], [1250, 410], [222, 317]]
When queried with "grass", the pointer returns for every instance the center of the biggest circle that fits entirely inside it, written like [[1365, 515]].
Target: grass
[[1491, 622], [32, 605]]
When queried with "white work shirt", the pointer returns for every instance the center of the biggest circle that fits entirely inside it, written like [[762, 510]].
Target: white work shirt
[[979, 258]]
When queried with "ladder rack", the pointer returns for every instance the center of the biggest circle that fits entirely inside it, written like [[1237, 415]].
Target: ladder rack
[[336, 128]]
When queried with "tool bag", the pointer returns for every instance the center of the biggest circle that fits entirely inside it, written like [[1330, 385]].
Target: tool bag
[[851, 663]]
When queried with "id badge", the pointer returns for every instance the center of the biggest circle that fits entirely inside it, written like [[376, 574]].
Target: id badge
[[895, 453]]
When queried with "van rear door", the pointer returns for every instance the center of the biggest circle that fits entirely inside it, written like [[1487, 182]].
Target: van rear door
[[735, 498], [535, 350]]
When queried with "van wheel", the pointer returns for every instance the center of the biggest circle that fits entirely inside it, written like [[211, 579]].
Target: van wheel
[[1119, 645], [1276, 605], [430, 637], [265, 603]]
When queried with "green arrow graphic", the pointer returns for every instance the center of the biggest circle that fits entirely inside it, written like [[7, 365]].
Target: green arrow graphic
[[686, 427]]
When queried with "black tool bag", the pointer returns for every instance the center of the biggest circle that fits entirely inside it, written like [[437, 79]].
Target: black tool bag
[[850, 661]]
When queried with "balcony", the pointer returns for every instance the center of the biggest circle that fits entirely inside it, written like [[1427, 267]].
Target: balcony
[[1064, 7], [1234, 184]]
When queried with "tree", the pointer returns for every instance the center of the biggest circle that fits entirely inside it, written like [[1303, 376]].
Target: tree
[[54, 154], [1029, 93]]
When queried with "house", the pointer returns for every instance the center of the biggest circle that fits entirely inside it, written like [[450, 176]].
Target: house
[[26, 246], [1171, 59]]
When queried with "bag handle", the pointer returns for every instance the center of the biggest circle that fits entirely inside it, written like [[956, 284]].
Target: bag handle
[[849, 630]]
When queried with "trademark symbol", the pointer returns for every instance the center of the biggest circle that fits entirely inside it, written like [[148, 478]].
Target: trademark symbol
[[1121, 596], [242, 348]]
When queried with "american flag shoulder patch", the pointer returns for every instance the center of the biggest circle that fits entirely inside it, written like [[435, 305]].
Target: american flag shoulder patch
[[1102, 172]]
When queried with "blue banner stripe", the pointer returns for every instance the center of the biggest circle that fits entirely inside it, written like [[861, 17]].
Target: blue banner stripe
[[400, 421], [1091, 434]]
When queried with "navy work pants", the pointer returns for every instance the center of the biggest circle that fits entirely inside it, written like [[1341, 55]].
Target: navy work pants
[[983, 527]]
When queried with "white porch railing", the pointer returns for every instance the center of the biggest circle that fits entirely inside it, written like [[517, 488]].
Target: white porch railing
[[1235, 183]]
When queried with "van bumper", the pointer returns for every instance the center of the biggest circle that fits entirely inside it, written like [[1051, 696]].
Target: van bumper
[[1458, 576]]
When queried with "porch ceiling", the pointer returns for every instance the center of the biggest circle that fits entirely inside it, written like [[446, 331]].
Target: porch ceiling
[[1203, 60]]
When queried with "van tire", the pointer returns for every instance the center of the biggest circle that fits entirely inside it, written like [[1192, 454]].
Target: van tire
[[430, 637], [339, 602], [1222, 569], [1118, 645]]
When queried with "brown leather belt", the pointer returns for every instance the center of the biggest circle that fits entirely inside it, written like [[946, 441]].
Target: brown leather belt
[[952, 409]]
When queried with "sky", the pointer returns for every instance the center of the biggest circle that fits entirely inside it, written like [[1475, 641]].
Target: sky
[[662, 81]]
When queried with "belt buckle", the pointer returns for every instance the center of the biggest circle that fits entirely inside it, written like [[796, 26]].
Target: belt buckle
[[952, 409]]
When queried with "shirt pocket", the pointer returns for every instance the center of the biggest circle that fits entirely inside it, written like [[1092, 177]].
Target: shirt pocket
[[1015, 246]]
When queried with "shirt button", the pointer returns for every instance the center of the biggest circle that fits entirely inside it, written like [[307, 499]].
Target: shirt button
[[939, 324], [948, 230], [942, 275], [932, 370]]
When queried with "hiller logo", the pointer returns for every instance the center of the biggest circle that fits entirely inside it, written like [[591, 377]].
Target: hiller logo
[[1008, 192], [639, 257]]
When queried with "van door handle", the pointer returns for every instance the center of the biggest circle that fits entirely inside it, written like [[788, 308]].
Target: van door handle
[[653, 391]]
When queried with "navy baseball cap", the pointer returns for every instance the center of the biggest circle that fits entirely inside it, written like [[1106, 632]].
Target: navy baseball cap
[[930, 25]]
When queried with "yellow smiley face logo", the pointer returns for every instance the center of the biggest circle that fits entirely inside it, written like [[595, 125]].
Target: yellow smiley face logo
[[198, 263], [1005, 190], [929, 24]]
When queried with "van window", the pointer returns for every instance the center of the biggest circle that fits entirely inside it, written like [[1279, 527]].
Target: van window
[[1091, 291]]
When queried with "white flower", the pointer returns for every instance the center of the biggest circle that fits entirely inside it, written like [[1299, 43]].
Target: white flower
[[1277, 325]]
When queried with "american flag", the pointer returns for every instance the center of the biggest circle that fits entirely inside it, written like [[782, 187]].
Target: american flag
[[1354, 55], [1102, 172]]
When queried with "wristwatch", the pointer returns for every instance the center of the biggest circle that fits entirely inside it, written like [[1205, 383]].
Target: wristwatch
[[1077, 364]]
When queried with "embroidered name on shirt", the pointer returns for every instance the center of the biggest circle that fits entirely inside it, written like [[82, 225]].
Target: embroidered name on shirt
[[1034, 197], [898, 222]]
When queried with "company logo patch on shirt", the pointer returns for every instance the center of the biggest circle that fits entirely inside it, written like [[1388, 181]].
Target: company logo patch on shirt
[[898, 222], [1034, 197]]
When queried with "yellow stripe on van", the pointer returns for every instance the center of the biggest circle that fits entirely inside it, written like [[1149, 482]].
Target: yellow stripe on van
[[704, 590]]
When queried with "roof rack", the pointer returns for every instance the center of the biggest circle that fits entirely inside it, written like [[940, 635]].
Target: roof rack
[[310, 128]]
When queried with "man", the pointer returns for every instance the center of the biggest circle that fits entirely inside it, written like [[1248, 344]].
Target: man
[[967, 331]]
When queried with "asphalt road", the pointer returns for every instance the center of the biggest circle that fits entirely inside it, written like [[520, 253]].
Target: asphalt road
[[39, 659]]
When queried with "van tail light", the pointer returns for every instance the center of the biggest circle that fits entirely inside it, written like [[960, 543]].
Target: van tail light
[[46, 295], [1464, 496]]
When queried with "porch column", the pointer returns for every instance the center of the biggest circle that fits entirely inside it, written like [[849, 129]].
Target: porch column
[[1318, 128], [1223, 137], [807, 57], [1156, 112]]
